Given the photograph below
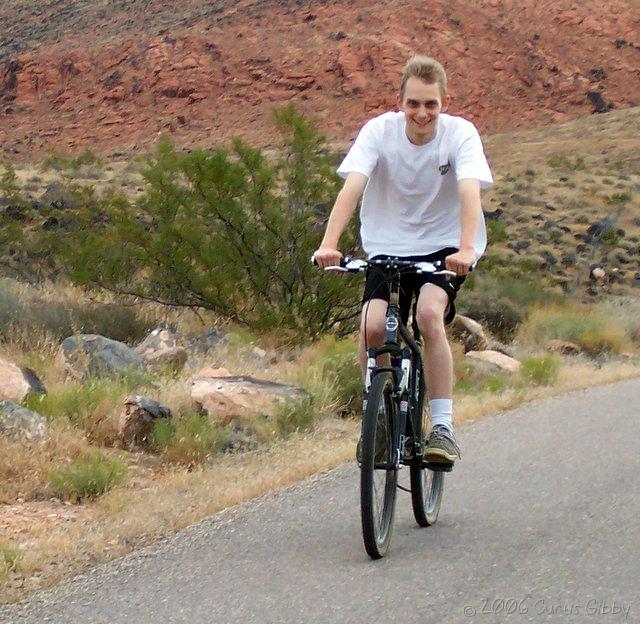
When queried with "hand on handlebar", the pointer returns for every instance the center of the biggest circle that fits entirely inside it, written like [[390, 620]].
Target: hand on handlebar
[[461, 262], [326, 256]]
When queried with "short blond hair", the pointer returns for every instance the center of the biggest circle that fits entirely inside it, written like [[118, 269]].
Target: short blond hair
[[426, 69]]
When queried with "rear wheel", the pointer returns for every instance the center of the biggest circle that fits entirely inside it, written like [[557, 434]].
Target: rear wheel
[[378, 473], [427, 486]]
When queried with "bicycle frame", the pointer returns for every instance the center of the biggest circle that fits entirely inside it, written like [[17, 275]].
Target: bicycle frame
[[407, 379]]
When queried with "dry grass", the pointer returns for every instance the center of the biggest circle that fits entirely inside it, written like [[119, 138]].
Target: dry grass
[[24, 470], [159, 499]]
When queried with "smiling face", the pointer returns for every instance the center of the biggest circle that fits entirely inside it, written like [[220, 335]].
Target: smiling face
[[422, 103]]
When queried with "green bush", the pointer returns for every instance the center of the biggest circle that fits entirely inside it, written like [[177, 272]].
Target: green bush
[[60, 315], [293, 416], [57, 162], [337, 366], [540, 370], [92, 406], [500, 301], [496, 232], [593, 331], [470, 381], [226, 230], [10, 554], [11, 233], [162, 433], [87, 478], [566, 162], [190, 440]]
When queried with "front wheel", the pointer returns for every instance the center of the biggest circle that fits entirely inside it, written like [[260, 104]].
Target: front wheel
[[378, 470]]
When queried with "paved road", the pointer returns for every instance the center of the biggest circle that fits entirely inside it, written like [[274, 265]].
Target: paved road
[[541, 517]]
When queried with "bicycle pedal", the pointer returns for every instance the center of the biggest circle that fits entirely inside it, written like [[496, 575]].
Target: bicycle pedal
[[438, 466]]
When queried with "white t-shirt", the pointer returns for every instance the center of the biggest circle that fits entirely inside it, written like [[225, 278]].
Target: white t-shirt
[[411, 204]]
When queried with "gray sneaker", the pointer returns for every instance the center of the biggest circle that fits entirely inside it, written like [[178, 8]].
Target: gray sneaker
[[441, 446]]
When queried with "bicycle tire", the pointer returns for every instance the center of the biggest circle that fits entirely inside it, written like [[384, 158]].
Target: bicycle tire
[[377, 503], [427, 486]]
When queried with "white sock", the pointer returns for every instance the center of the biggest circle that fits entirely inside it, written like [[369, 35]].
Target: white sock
[[441, 413]]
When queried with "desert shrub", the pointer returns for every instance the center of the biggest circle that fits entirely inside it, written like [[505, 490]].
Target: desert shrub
[[566, 162], [348, 384], [162, 433], [10, 194], [499, 301], [58, 162], [583, 325], [25, 473], [625, 313], [10, 554], [294, 415], [496, 232], [335, 376], [540, 370], [93, 406], [87, 477], [226, 230], [59, 313], [492, 382], [190, 440]]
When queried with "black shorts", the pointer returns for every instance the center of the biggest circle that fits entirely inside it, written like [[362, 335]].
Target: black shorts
[[377, 286]]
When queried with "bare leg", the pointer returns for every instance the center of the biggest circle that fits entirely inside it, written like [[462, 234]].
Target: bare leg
[[438, 362], [373, 318]]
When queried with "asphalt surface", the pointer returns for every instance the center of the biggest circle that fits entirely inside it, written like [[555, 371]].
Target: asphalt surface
[[539, 524]]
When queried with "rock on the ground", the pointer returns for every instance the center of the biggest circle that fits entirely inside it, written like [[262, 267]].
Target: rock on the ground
[[206, 343], [495, 360], [137, 419], [226, 397], [470, 332], [20, 424], [161, 347], [17, 382], [85, 355]]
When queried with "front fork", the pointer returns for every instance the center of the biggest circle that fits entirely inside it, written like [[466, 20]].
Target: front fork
[[401, 365]]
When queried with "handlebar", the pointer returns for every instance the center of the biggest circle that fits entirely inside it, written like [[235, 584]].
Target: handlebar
[[358, 265]]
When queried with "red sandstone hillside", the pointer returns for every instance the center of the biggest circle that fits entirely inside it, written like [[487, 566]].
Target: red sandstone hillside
[[113, 75]]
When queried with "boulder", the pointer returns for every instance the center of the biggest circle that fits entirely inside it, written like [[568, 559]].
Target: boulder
[[495, 360], [17, 382], [206, 343], [20, 424], [85, 355], [470, 332], [563, 347], [160, 348], [598, 274], [137, 419], [226, 397]]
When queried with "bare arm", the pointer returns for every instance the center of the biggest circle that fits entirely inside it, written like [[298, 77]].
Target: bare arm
[[470, 215], [345, 205]]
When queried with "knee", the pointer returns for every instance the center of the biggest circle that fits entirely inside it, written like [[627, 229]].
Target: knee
[[373, 332], [430, 321], [372, 323]]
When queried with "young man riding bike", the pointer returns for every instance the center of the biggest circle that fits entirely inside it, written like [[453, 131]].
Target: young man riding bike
[[419, 172]]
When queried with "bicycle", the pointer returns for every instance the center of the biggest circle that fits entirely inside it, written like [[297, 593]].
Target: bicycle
[[394, 418]]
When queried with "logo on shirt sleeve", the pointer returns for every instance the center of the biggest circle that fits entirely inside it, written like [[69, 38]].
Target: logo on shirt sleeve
[[444, 169]]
